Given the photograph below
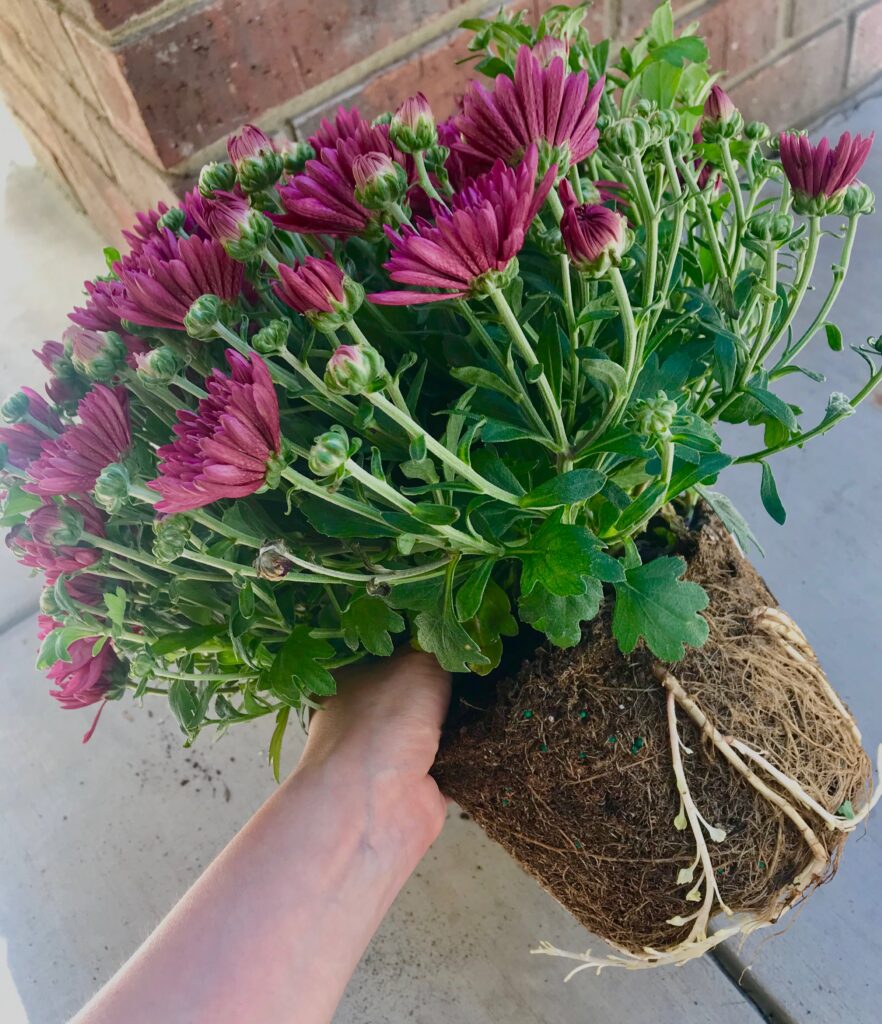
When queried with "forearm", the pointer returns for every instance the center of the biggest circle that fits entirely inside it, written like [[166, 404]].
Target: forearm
[[274, 928]]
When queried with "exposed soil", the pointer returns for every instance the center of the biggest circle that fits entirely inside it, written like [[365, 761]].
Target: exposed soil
[[568, 764]]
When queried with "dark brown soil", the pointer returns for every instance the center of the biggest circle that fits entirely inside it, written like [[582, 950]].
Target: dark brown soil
[[570, 768]]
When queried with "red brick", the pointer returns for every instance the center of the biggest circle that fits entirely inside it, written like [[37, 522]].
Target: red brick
[[17, 57], [46, 159], [809, 15], [738, 35], [109, 14], [803, 82], [68, 61], [634, 16], [142, 182], [866, 50]]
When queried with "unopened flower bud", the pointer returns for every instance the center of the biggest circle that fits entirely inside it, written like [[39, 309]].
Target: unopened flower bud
[[111, 489], [216, 177], [681, 143], [859, 199], [757, 131], [384, 118], [379, 181], [272, 338], [628, 136], [15, 408], [329, 452], [204, 315], [665, 122], [258, 165], [295, 154], [170, 536], [355, 369], [596, 238], [158, 366], [721, 118], [56, 525], [173, 219], [655, 416], [242, 231], [770, 227], [142, 665], [321, 291], [95, 355], [412, 128]]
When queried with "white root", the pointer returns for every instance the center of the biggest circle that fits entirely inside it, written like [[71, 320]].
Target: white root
[[778, 624], [793, 787]]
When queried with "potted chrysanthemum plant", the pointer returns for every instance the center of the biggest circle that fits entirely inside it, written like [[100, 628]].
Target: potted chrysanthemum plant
[[464, 386]]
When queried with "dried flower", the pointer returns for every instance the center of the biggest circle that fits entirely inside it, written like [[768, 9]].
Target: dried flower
[[818, 174], [412, 128], [543, 105], [257, 163], [470, 247], [70, 464], [595, 237], [319, 290], [225, 448], [159, 291]]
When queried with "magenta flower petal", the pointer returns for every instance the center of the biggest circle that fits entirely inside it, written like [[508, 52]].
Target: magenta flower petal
[[819, 171], [223, 449], [311, 286]]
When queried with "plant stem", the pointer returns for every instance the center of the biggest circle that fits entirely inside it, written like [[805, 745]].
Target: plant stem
[[529, 356], [735, 191], [707, 223], [423, 177], [453, 462], [839, 272], [556, 205], [650, 224]]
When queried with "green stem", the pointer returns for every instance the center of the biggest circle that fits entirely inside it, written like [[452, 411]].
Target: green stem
[[839, 272], [556, 205], [529, 356], [453, 462], [187, 385], [735, 191], [707, 223], [650, 224], [423, 177]]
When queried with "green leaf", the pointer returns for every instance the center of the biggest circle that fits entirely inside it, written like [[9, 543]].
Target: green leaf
[[834, 337], [661, 24], [774, 405], [560, 556], [332, 521], [725, 362], [576, 485], [659, 82], [498, 432], [17, 504], [678, 51], [769, 495], [435, 515], [471, 593], [654, 603], [55, 645], [296, 669], [186, 639], [477, 377], [419, 596], [115, 602], [368, 622], [549, 351], [275, 746], [187, 705], [561, 618], [438, 632], [492, 622], [605, 372], [732, 519]]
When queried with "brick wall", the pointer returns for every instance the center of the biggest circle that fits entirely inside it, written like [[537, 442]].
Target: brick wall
[[123, 100]]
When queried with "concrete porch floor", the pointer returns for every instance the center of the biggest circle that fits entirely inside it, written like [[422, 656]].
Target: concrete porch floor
[[99, 841]]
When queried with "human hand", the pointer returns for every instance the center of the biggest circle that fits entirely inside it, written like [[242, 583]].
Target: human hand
[[380, 733]]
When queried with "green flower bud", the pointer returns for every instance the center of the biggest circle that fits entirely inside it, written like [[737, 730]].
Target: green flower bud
[[628, 136], [655, 416], [203, 317], [412, 127], [379, 180], [355, 369], [258, 165], [170, 536], [272, 338], [158, 366], [295, 155], [49, 605], [111, 489], [859, 200], [142, 665], [384, 118], [818, 206], [681, 143], [172, 219], [96, 356], [665, 123], [329, 452], [756, 131], [15, 408], [216, 177], [770, 227]]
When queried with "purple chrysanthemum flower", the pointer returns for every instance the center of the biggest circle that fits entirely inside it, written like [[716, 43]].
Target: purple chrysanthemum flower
[[321, 199], [43, 541], [819, 172], [544, 105], [99, 312], [311, 286], [158, 289], [230, 219], [72, 462], [480, 235], [346, 125], [224, 448]]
